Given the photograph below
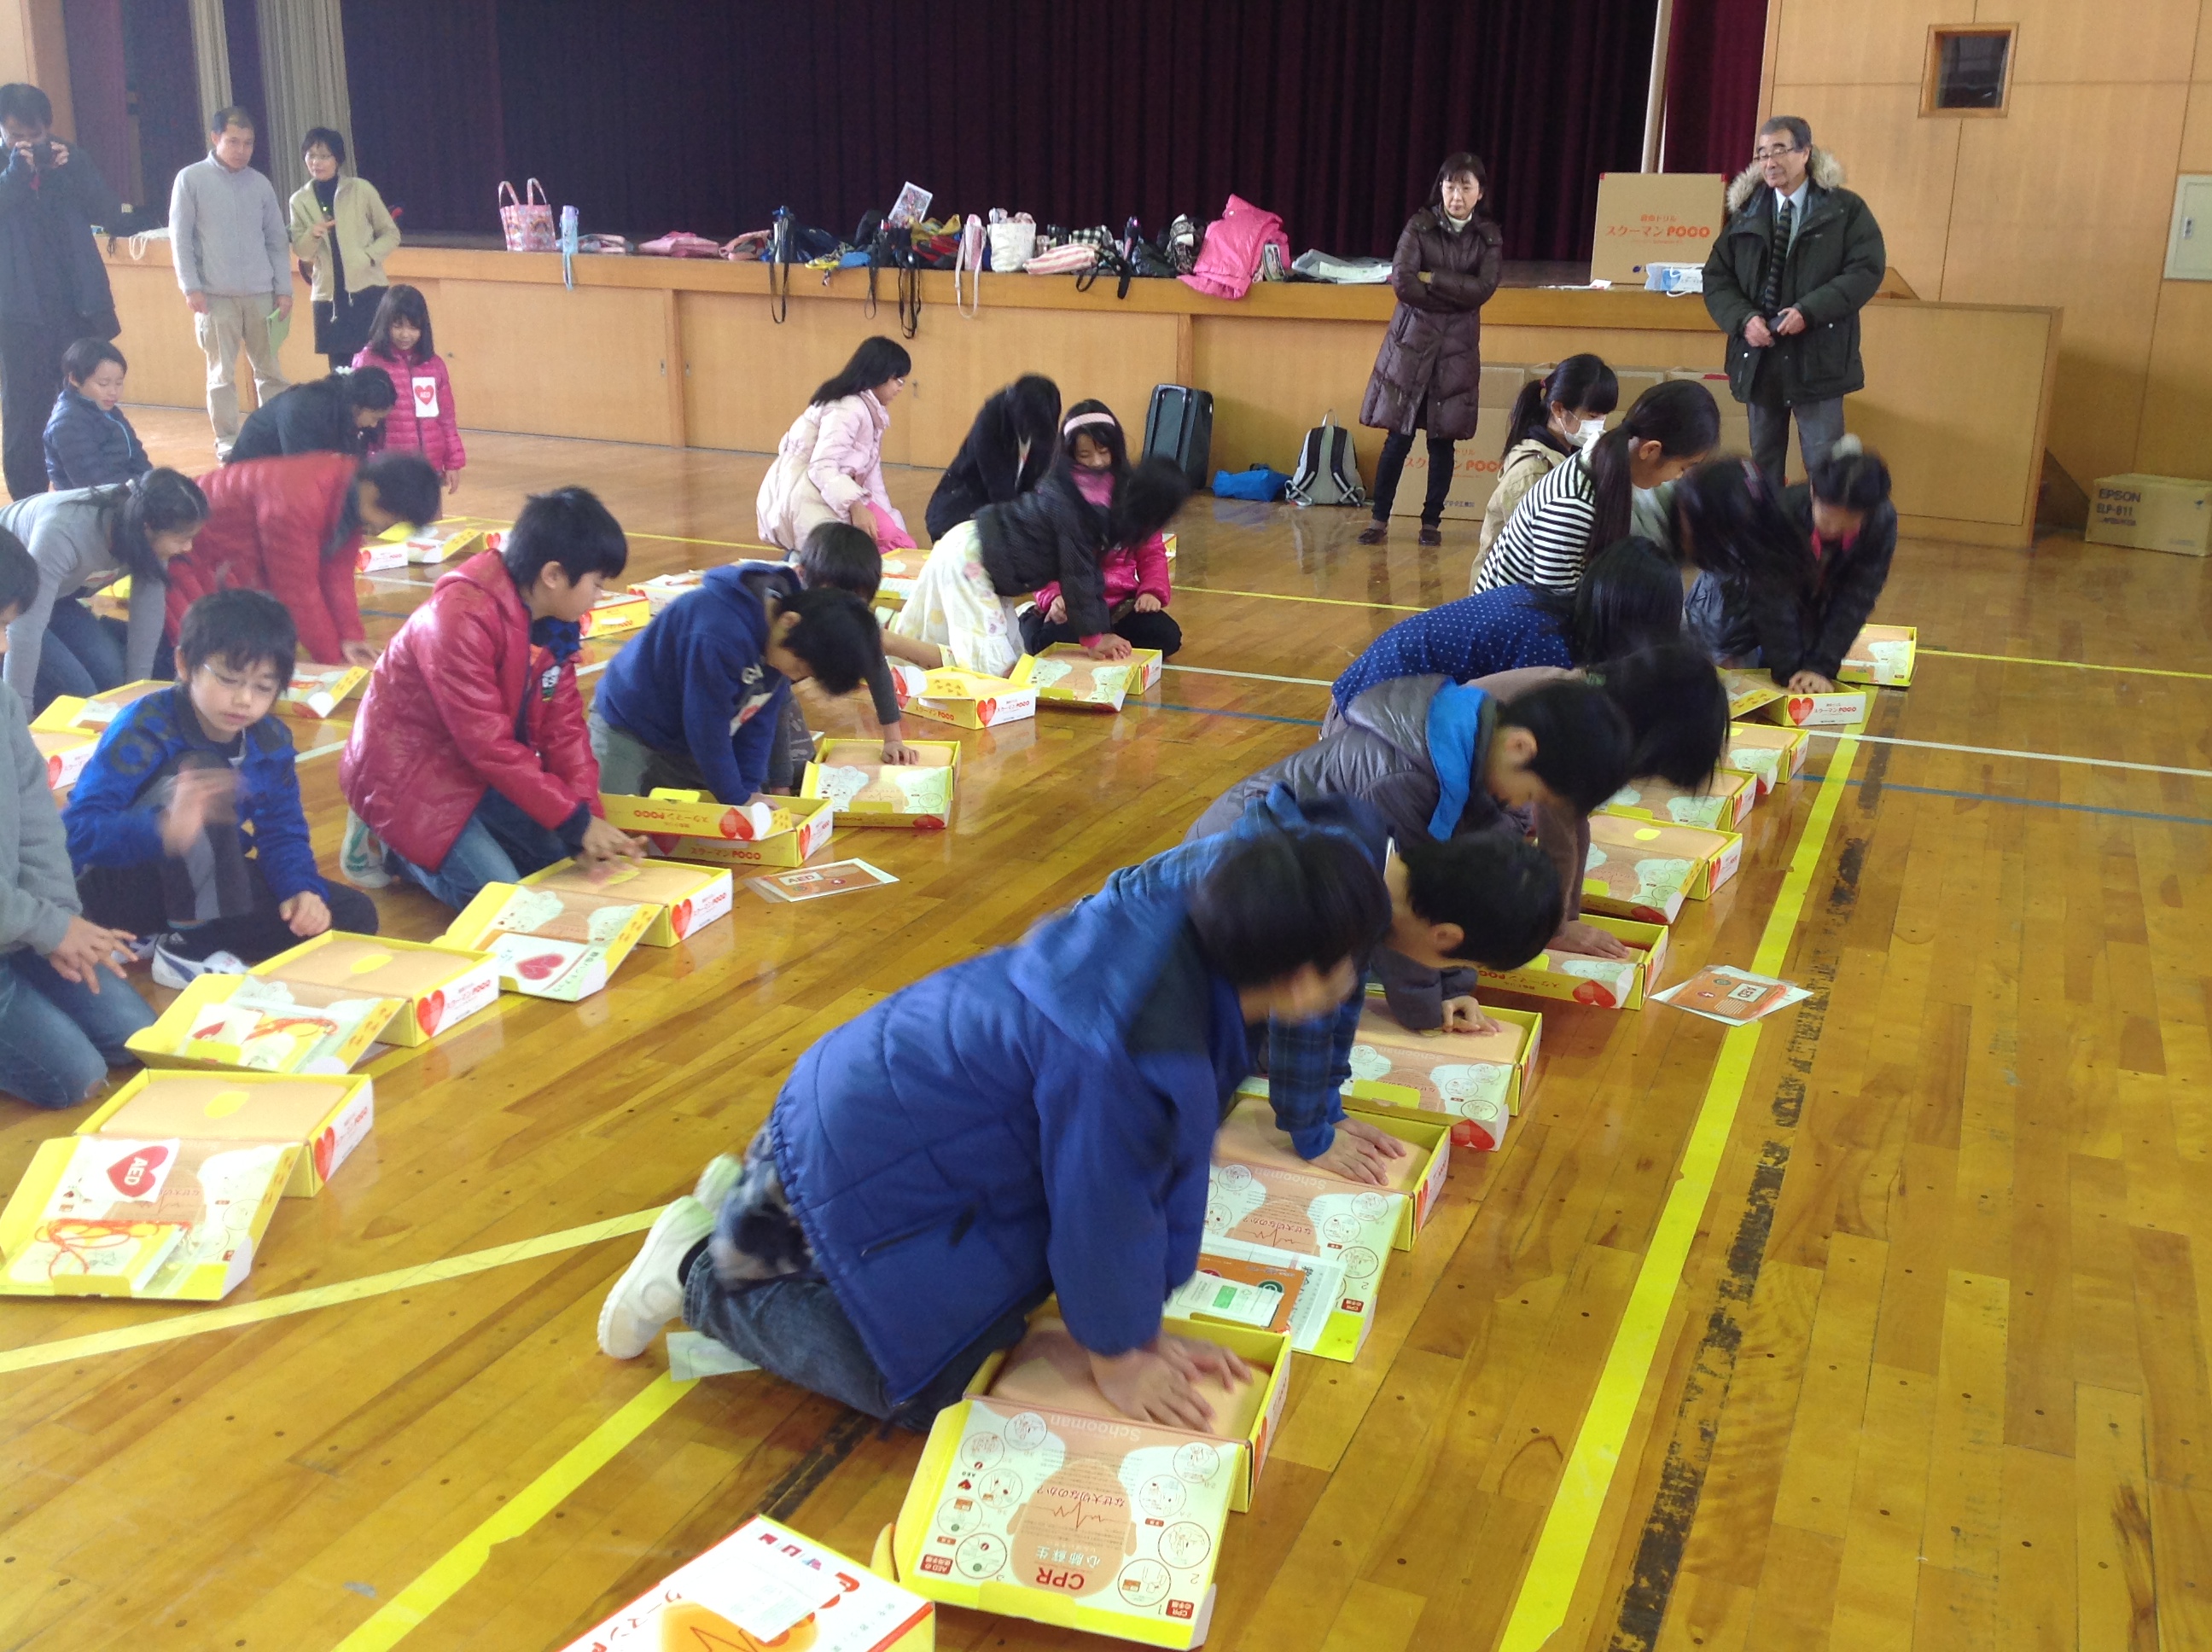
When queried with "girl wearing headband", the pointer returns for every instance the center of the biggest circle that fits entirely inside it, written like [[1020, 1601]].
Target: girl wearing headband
[[1136, 577]]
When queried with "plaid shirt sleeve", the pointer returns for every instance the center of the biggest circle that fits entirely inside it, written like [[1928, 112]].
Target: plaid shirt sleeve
[[1307, 1065]]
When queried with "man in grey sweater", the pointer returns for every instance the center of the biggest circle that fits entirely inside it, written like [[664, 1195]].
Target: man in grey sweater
[[60, 1029], [234, 258]]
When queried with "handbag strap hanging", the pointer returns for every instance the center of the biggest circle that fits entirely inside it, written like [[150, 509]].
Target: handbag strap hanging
[[972, 230], [534, 194], [779, 266], [505, 196]]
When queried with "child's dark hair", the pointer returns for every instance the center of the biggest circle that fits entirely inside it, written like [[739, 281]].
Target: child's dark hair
[[82, 359], [1503, 891], [1278, 902], [1630, 598], [1583, 745], [835, 634], [1145, 500], [242, 628], [366, 388], [1083, 420], [838, 556], [877, 361], [18, 577], [569, 526], [160, 501], [401, 302], [406, 485], [1034, 402], [334, 141], [1677, 709], [1852, 478], [1680, 416], [1580, 383], [1736, 528]]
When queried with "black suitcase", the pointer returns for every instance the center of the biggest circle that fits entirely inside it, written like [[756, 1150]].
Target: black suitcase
[[1179, 426]]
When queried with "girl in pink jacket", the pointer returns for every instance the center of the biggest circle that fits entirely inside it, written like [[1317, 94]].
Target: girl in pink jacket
[[830, 465], [421, 420], [1138, 586]]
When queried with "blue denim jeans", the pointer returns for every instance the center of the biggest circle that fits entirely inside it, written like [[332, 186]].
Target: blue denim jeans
[[500, 845], [57, 1039], [82, 654], [793, 1327]]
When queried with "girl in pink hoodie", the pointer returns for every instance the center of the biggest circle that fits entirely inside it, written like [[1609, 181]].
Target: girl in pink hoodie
[[1138, 584], [421, 420]]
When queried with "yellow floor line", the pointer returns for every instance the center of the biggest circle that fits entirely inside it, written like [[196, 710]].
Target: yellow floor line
[[2070, 664], [329, 1296], [1278, 596], [405, 1612], [1547, 1589]]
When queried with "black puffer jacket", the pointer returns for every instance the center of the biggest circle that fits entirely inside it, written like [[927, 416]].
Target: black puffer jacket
[[988, 470], [1811, 629], [1054, 533]]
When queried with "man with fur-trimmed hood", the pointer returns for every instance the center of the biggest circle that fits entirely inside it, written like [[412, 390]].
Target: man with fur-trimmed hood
[[1797, 259]]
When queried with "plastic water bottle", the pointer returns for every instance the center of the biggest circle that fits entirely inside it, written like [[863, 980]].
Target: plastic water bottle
[[568, 247]]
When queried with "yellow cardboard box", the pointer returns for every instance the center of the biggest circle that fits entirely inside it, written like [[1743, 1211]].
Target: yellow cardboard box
[[173, 1220], [1643, 869], [65, 714], [442, 986], [234, 1024], [316, 691], [1601, 983], [551, 943], [742, 1593], [1883, 655], [327, 1117], [2151, 513], [1755, 693], [1471, 1078], [1769, 754], [1066, 675], [691, 826], [1721, 806], [663, 589], [964, 699], [868, 792], [66, 752], [615, 612], [686, 898]]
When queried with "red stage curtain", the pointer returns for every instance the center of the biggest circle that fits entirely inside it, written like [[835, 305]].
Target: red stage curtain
[[1714, 54]]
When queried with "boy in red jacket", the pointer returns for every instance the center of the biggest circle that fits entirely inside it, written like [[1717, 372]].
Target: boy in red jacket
[[468, 759]]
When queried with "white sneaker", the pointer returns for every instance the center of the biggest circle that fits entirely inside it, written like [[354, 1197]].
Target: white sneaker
[[715, 1181], [651, 1293], [173, 970], [360, 855]]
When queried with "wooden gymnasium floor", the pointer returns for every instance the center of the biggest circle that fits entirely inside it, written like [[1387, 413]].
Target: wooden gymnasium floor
[[1927, 1371]]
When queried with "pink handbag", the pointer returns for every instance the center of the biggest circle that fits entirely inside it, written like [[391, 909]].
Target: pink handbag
[[528, 222], [681, 244], [1072, 260]]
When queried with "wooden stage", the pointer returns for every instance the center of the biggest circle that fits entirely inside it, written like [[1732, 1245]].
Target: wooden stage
[[1927, 1370]]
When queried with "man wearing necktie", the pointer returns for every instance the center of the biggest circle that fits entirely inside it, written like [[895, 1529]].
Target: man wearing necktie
[[1797, 259]]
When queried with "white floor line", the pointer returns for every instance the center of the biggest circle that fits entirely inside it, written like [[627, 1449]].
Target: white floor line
[[596, 665], [314, 752], [2004, 751], [1254, 677]]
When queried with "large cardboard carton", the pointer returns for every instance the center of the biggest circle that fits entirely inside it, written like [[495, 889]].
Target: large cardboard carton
[[175, 1219], [1646, 217], [442, 986], [1475, 466], [549, 943], [692, 826], [1601, 983], [327, 1117], [865, 791], [2151, 513], [766, 1586], [250, 1024], [687, 898]]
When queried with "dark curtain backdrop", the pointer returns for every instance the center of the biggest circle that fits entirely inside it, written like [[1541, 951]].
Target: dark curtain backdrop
[[1713, 60], [652, 115]]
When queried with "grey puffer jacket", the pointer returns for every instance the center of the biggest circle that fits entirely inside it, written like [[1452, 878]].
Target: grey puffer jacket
[[38, 892]]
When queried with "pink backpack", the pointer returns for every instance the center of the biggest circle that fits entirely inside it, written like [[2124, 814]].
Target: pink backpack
[[1235, 245]]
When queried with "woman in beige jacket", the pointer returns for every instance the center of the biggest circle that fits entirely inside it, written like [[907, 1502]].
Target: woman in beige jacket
[[339, 225]]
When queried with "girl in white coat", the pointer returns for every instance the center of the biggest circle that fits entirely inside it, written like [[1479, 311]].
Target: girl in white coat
[[830, 465]]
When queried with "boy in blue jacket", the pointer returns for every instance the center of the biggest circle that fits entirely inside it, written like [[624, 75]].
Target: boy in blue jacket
[[694, 702], [187, 823], [1037, 1120]]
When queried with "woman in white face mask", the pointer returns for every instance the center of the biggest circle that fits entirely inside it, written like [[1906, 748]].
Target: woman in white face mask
[[1552, 416]]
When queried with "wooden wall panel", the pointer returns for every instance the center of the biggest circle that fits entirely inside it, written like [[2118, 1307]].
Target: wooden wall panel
[[1273, 380], [1866, 43], [1904, 166], [2176, 433], [2197, 127], [2068, 42], [591, 366]]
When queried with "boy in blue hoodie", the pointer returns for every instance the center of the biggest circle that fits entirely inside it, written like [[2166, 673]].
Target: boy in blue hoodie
[[1037, 1120], [694, 702], [187, 823]]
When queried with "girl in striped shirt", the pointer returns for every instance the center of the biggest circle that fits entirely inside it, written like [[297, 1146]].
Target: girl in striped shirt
[[1585, 501]]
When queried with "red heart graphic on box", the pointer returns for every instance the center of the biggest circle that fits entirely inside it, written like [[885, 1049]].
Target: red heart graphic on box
[[679, 918], [1650, 915], [539, 967], [985, 711], [134, 1176], [430, 1010], [53, 772], [1800, 708], [1591, 992], [930, 822], [732, 824], [326, 1146]]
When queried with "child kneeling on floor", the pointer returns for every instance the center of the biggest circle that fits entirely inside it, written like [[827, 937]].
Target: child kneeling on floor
[[695, 701], [60, 1029], [186, 822], [1036, 1120], [469, 763], [1137, 581]]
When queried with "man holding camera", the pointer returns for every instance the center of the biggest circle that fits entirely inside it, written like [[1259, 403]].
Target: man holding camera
[[53, 286]]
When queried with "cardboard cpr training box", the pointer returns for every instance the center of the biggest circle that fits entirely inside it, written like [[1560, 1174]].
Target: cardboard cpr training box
[[692, 826], [687, 898], [1770, 756], [766, 1586], [615, 612], [1647, 217], [66, 751], [1884, 655], [1601, 983], [1461, 1076], [1066, 675], [552, 942], [1756, 694], [67, 715], [316, 692], [1645, 869], [963, 698], [2151, 513], [326, 1117], [212, 1026], [442, 986], [869, 792], [1721, 806]]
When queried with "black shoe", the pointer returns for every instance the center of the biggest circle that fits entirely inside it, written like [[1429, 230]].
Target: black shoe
[[1431, 537], [1375, 533]]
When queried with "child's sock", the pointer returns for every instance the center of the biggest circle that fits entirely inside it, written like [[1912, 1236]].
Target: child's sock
[[691, 1259]]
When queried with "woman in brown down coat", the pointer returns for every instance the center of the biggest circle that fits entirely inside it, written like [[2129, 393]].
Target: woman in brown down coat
[[1428, 374]]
